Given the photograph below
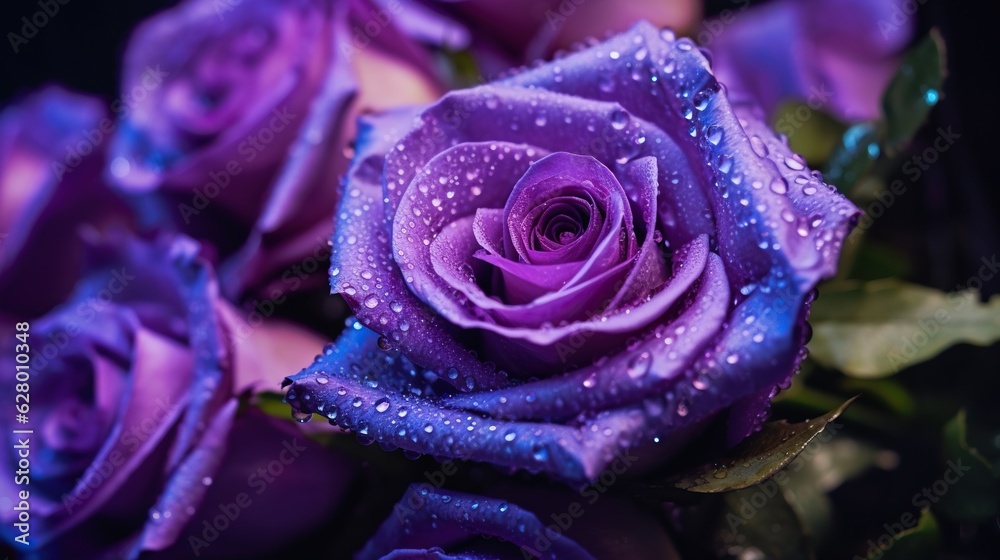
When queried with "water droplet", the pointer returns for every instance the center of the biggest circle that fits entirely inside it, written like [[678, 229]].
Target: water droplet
[[301, 417], [725, 164], [931, 97], [541, 454], [590, 381], [701, 100], [793, 164], [802, 227], [682, 409], [714, 134], [356, 403], [396, 306], [779, 186], [371, 302], [382, 405], [607, 83], [322, 380], [428, 428], [639, 365], [720, 473], [619, 119], [758, 146], [509, 436]]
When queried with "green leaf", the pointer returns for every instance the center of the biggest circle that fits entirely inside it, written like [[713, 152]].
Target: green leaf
[[853, 157], [921, 541], [974, 496], [812, 133], [913, 91], [272, 404], [754, 460], [459, 68], [875, 329]]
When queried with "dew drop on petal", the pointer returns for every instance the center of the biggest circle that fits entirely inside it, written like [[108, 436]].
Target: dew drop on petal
[[639, 365], [714, 134], [758, 146], [619, 119], [793, 164], [779, 186]]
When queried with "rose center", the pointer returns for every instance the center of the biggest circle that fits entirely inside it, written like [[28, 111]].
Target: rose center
[[561, 223]]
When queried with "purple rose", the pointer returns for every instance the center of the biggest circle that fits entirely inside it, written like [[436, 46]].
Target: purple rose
[[516, 522], [239, 115], [834, 54], [137, 439], [532, 29], [51, 154], [595, 254]]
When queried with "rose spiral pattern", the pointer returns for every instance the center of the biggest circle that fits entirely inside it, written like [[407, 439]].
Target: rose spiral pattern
[[594, 254]]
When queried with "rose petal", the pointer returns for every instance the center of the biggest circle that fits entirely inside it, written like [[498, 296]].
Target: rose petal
[[419, 332], [207, 93], [187, 484], [331, 387], [284, 212], [253, 445], [45, 201], [475, 515], [549, 177], [259, 353], [212, 381], [648, 368], [428, 554]]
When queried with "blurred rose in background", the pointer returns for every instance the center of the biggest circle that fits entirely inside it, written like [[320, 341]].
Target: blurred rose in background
[[51, 156], [139, 439], [239, 117]]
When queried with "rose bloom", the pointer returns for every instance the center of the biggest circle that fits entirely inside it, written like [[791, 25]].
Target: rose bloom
[[238, 118], [532, 29], [599, 253], [138, 444], [51, 153]]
